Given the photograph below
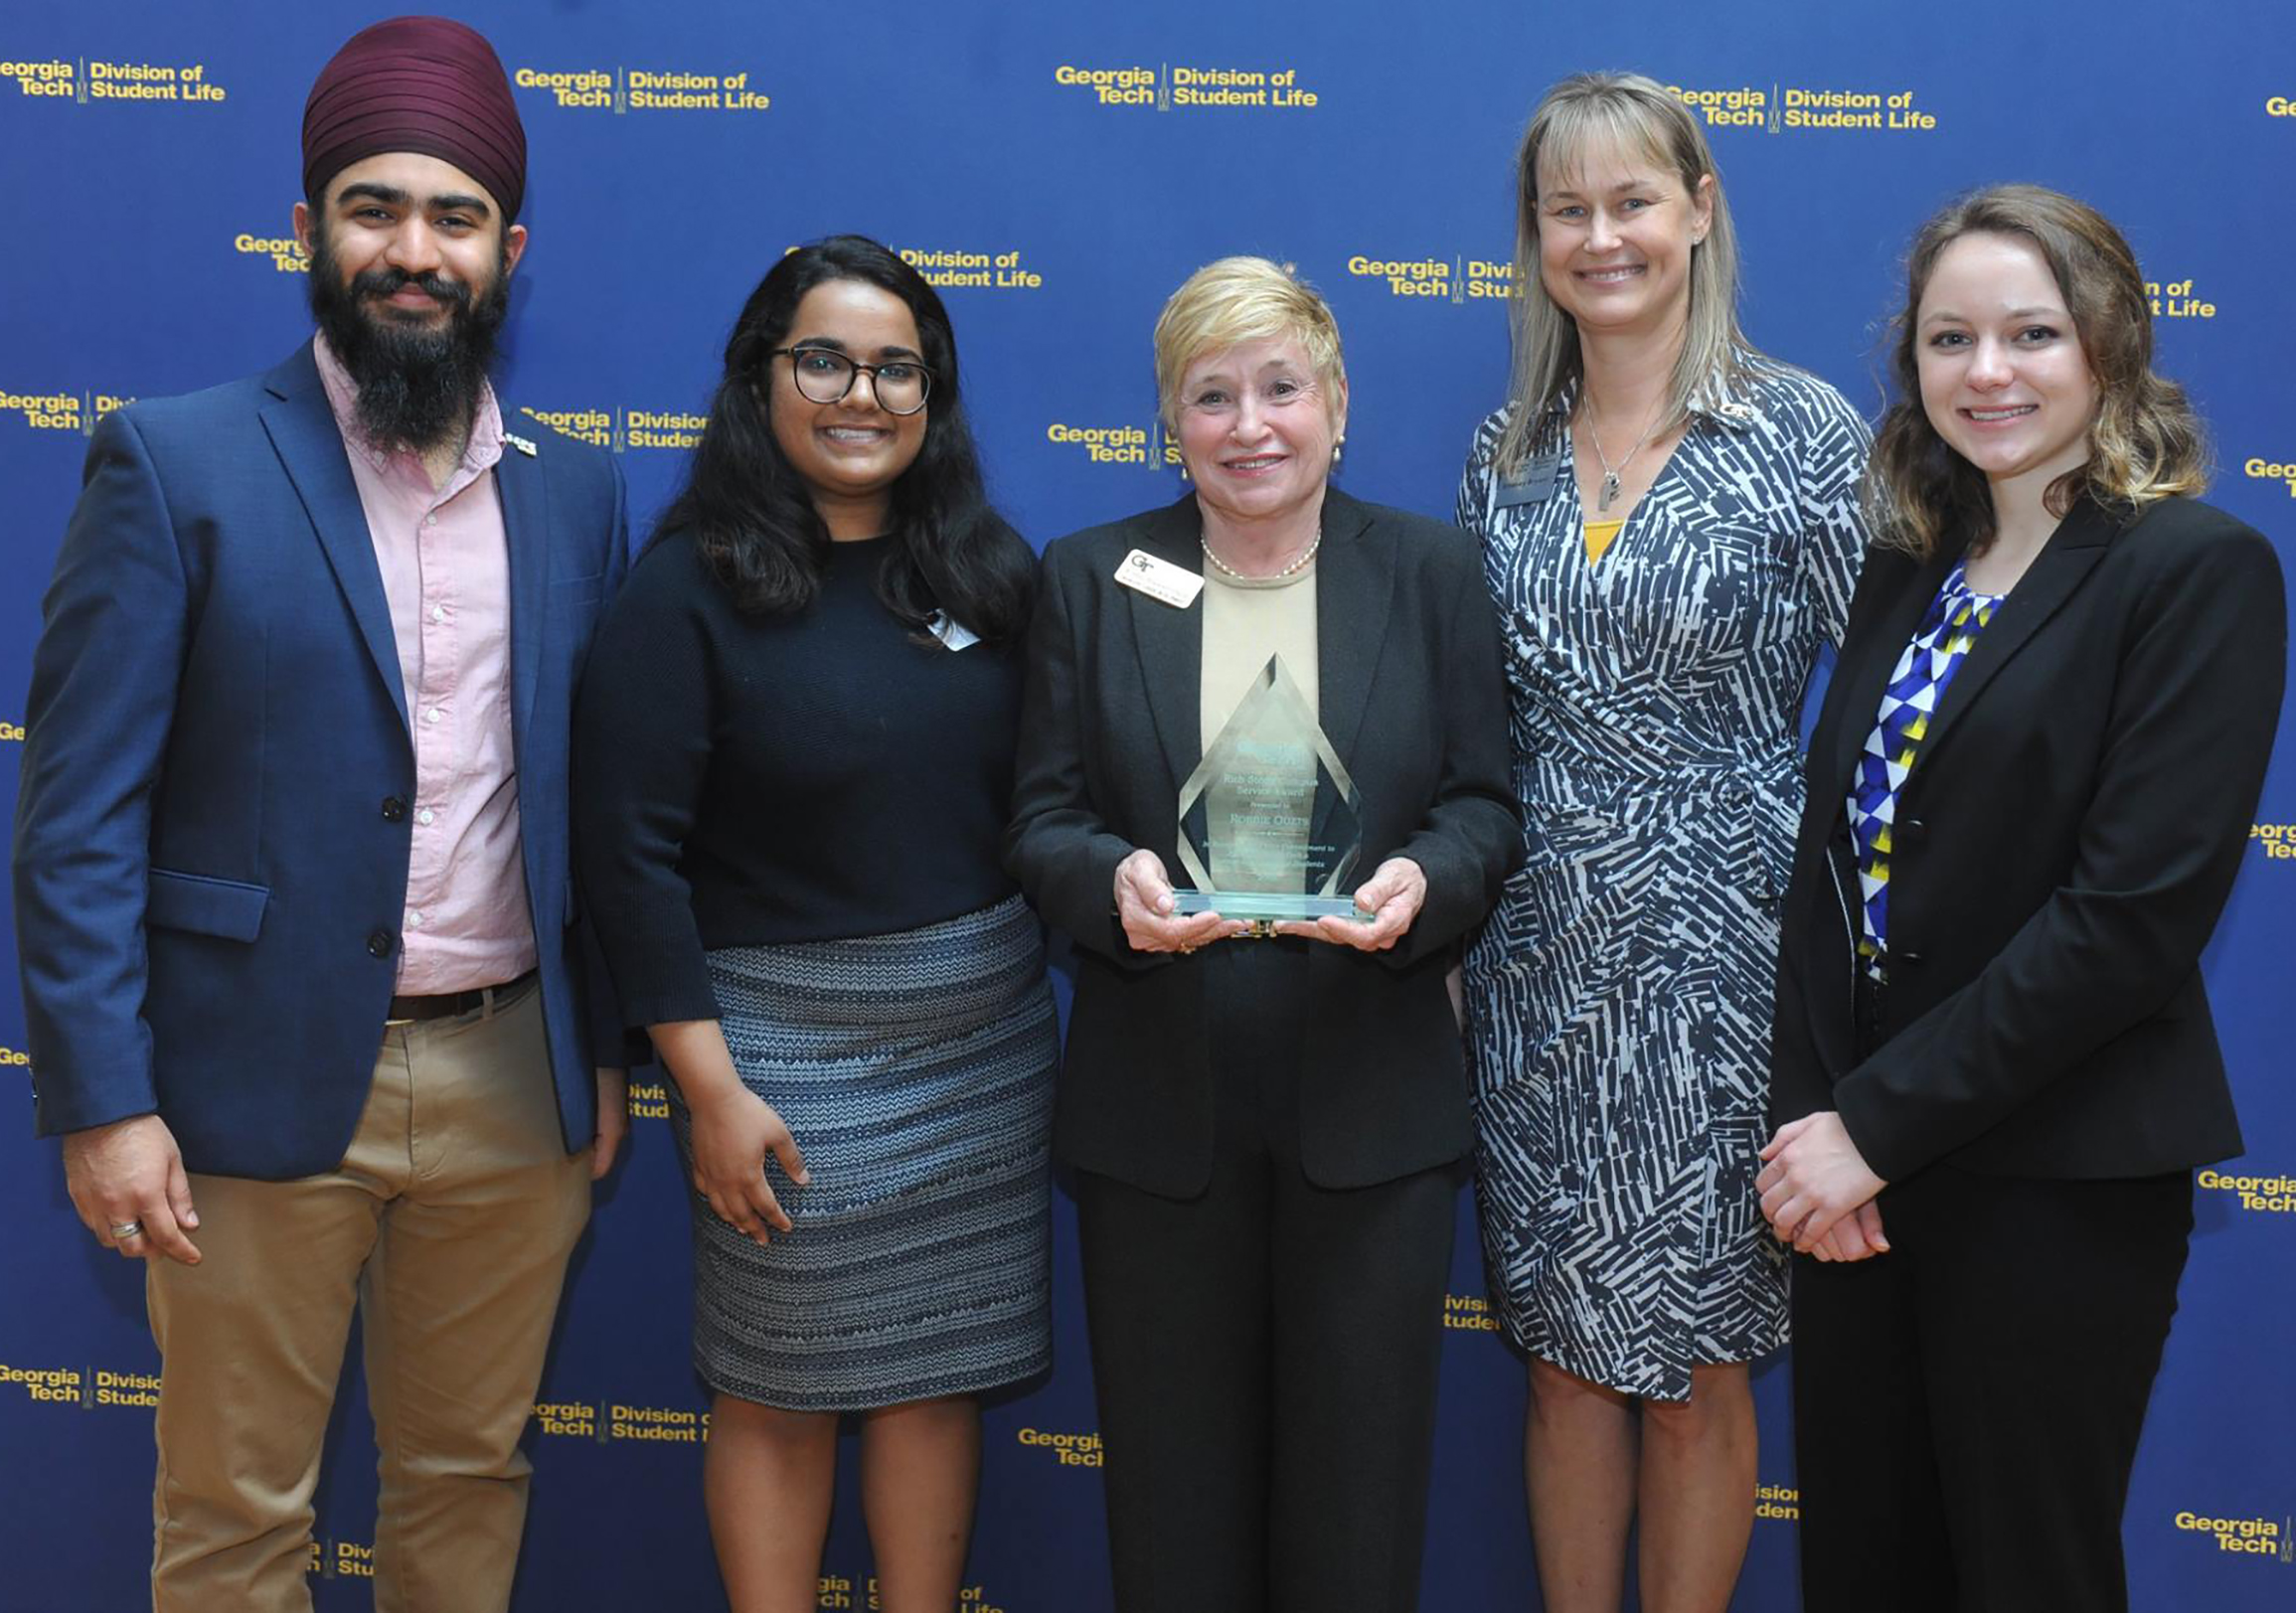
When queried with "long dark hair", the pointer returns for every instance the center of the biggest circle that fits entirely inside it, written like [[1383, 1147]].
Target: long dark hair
[[753, 520], [2147, 442]]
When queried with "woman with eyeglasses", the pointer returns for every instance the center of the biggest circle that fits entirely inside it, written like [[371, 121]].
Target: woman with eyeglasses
[[1266, 1121], [794, 755]]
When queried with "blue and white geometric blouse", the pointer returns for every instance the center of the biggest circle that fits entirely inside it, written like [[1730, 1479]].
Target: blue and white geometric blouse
[[1938, 647], [1620, 992]]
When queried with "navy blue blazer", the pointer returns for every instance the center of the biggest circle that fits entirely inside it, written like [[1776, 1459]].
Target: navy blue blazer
[[211, 835]]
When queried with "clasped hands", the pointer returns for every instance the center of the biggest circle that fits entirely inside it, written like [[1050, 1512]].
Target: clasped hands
[[1392, 897], [1818, 1191]]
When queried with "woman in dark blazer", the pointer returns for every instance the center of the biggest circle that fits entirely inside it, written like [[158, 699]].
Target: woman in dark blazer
[[1266, 1131], [2029, 791]]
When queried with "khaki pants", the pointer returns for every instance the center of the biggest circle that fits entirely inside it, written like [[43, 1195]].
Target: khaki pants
[[447, 1227]]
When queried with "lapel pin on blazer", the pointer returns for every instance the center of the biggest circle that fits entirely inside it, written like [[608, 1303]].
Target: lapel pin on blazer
[[524, 446]]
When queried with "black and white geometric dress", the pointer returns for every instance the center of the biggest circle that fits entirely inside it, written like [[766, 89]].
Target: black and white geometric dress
[[1620, 994]]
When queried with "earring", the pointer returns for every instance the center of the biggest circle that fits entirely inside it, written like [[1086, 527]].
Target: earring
[[1337, 443]]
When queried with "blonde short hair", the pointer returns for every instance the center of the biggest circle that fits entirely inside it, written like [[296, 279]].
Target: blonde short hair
[[1632, 114], [1236, 300]]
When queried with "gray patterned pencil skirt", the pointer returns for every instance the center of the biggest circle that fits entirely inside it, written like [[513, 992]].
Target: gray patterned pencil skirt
[[915, 1071]]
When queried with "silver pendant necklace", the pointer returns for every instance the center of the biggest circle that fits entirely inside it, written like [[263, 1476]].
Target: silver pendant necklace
[[1610, 473]]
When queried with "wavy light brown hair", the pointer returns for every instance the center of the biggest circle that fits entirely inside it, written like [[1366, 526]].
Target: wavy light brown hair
[[2146, 443], [1635, 116]]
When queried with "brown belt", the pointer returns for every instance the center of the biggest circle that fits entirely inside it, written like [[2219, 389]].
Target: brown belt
[[447, 1005]]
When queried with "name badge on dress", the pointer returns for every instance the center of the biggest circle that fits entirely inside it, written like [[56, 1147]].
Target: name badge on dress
[[1160, 579], [951, 632], [1542, 474]]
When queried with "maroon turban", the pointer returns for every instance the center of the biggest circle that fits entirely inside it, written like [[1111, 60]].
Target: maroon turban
[[426, 85]]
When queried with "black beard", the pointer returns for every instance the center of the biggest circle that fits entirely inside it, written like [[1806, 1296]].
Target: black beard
[[418, 386]]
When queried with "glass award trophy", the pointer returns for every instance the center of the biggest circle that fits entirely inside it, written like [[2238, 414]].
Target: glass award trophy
[[1270, 825]]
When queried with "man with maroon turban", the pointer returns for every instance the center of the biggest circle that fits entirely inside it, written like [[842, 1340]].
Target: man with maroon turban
[[307, 991]]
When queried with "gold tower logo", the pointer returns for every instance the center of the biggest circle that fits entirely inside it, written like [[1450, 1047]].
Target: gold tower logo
[[1144, 446], [61, 411], [625, 89], [2247, 1537], [85, 81], [620, 429], [1454, 280], [1802, 109], [1167, 88]]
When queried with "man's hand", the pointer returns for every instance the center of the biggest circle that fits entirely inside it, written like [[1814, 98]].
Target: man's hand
[[127, 1182], [613, 1120]]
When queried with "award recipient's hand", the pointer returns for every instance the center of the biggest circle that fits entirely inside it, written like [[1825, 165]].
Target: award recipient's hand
[[1392, 896], [1145, 909]]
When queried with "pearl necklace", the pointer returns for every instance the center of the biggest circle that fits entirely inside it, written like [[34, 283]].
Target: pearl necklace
[[1226, 569]]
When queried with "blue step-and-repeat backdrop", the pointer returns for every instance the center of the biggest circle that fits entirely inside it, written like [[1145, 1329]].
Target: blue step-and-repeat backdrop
[[1058, 168]]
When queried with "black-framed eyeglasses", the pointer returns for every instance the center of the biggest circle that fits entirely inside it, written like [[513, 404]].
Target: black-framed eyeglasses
[[824, 375]]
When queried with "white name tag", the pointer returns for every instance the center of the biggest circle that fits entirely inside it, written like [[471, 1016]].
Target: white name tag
[[1160, 579], [956, 634]]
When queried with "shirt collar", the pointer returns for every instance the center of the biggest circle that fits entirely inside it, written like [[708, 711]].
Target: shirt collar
[[478, 454]]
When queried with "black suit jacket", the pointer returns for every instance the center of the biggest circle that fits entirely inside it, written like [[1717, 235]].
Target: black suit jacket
[[1412, 700], [2061, 850]]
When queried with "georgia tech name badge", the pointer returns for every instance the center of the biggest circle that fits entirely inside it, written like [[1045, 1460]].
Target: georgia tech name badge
[[1160, 579]]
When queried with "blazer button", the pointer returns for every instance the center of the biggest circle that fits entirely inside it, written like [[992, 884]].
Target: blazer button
[[1909, 957], [393, 809], [378, 945], [1914, 829]]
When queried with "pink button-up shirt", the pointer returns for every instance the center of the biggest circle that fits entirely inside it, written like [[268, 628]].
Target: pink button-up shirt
[[446, 559]]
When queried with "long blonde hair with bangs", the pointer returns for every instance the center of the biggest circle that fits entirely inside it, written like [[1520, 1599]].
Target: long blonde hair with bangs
[[1634, 115]]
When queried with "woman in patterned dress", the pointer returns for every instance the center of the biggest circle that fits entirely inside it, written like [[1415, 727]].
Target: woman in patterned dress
[[1670, 528], [793, 756], [1995, 1064]]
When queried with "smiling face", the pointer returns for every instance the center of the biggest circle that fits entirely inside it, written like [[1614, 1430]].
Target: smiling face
[[1615, 232], [849, 453], [1256, 428], [2005, 380], [412, 239]]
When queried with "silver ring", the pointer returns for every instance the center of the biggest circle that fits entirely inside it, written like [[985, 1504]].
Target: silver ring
[[124, 1230]]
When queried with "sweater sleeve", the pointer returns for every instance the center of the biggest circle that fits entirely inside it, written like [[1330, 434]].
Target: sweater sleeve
[[641, 761]]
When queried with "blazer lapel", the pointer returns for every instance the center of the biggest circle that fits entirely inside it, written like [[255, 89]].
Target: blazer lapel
[[1170, 641], [518, 480], [1355, 579], [2073, 551], [310, 444], [1863, 677]]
